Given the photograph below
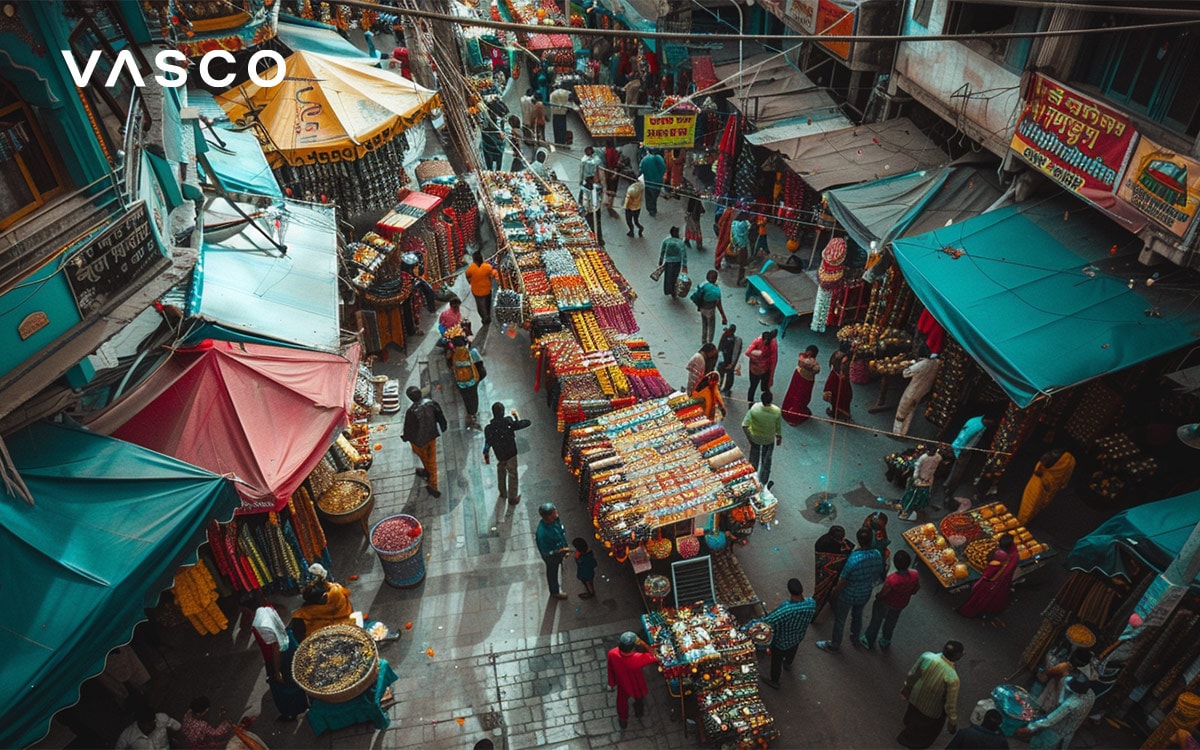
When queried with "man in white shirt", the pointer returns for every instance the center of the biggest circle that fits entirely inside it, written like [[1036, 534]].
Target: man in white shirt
[[148, 732], [921, 373]]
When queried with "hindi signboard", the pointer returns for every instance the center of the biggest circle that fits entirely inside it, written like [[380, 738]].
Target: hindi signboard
[[114, 260], [1162, 185], [669, 131]]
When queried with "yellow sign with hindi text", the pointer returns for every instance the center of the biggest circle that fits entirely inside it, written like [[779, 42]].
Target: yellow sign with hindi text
[[669, 131]]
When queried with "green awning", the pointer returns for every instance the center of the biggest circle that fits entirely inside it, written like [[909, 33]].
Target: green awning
[[1154, 532], [1038, 301], [110, 524], [877, 211]]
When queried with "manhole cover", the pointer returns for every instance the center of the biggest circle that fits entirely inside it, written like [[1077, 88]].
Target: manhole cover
[[491, 720]]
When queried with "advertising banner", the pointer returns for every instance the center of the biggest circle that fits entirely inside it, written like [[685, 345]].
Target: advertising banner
[[1076, 141], [821, 17], [669, 131], [1162, 185]]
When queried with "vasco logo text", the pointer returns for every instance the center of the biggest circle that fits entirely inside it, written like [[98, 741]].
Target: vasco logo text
[[172, 65]]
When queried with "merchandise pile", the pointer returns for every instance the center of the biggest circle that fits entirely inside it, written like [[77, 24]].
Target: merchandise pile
[[602, 113]]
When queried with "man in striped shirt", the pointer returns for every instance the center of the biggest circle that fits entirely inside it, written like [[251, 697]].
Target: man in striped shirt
[[931, 690], [789, 624]]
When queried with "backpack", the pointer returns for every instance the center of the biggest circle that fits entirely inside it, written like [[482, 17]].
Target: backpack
[[700, 296], [465, 374]]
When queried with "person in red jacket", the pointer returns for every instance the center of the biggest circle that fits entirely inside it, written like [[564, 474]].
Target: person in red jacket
[[763, 353], [625, 664]]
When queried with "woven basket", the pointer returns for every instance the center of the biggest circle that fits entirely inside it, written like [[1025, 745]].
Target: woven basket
[[308, 661], [355, 477], [427, 170]]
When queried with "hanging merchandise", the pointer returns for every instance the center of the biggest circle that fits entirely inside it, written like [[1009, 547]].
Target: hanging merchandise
[[196, 594], [949, 385]]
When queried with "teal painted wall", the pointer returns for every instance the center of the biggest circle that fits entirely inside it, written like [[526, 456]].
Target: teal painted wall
[[44, 291]]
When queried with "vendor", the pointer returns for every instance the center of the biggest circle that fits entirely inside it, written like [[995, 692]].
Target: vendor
[[325, 603]]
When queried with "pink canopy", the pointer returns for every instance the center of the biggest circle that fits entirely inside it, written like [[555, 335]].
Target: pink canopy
[[262, 414]]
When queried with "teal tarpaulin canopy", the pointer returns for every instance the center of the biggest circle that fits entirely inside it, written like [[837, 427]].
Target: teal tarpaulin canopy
[[110, 524], [877, 211], [236, 157], [1155, 532], [305, 36], [1038, 301], [244, 290]]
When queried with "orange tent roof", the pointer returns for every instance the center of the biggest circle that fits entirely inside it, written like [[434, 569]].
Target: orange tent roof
[[328, 109]]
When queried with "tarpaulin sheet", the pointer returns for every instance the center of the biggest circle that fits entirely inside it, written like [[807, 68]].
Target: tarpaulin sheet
[[1028, 296], [235, 156], [879, 210], [110, 524], [262, 414], [1155, 532], [300, 36]]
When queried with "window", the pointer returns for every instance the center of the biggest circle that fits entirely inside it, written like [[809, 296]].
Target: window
[[975, 21], [27, 176], [1145, 71], [921, 12]]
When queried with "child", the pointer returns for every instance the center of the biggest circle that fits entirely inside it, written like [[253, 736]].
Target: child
[[585, 567]]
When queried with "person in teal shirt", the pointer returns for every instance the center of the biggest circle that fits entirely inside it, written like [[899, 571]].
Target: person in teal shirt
[[672, 256], [654, 168], [552, 544], [970, 434]]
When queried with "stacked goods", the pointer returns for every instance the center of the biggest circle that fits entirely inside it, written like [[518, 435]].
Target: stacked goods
[[1122, 463], [949, 384], [980, 531], [1015, 426], [336, 664], [733, 587], [939, 557], [365, 258], [603, 113], [1096, 410]]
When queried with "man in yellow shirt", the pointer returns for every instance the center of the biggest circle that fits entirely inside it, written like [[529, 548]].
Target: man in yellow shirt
[[931, 691], [480, 274]]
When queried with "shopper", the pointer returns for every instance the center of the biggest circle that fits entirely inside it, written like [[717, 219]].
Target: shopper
[[499, 437], [674, 159], [709, 393], [468, 368], [516, 134], [585, 567], [707, 297], [537, 119], [479, 275], [672, 255], [692, 211], [589, 206], [559, 99], [552, 544], [968, 437], [799, 392], [730, 348], [633, 207], [527, 122], [196, 730], [538, 166], [589, 166], [1058, 728], [839, 392], [876, 522], [625, 664], [832, 550], [789, 623], [986, 736], [916, 496], [423, 422], [898, 589], [931, 690], [700, 364], [739, 246], [612, 176], [278, 648], [148, 731], [764, 428], [992, 593], [1051, 474], [653, 168], [763, 353], [862, 571], [921, 375]]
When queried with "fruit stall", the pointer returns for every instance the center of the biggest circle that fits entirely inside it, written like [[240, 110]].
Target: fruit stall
[[957, 549], [603, 114]]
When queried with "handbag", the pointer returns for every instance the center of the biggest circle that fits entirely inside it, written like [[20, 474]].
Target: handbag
[[657, 273], [682, 284]]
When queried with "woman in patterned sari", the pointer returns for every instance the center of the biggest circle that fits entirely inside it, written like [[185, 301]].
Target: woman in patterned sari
[[832, 550]]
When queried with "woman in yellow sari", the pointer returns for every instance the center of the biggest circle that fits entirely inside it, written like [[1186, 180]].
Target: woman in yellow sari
[[708, 390], [1050, 475], [325, 604]]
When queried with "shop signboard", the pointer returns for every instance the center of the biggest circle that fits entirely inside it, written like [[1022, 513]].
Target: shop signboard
[[669, 131], [1162, 185], [109, 264], [1074, 140], [821, 17]]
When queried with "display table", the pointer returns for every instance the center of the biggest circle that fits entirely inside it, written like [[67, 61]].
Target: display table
[[411, 209], [327, 717], [603, 113]]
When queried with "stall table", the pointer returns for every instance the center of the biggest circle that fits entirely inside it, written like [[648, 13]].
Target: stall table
[[327, 717], [603, 113], [412, 209]]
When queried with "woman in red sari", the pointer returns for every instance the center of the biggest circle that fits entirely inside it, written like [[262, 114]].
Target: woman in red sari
[[993, 591], [799, 392], [838, 391]]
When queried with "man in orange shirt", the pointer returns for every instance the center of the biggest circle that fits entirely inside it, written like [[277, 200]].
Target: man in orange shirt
[[480, 274]]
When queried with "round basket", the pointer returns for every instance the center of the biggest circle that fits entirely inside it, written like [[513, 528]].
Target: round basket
[[349, 499], [336, 664], [403, 567]]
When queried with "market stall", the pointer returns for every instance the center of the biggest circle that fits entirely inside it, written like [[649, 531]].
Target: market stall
[[555, 48], [603, 114], [340, 669], [956, 549]]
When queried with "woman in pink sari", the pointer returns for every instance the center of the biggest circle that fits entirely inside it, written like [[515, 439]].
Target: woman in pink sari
[[993, 591], [799, 392], [838, 390]]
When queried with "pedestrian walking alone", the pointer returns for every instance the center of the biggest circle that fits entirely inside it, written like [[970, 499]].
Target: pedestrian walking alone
[[423, 422], [707, 297], [861, 573], [653, 167], [673, 255], [838, 391], [916, 496], [789, 624], [763, 353], [625, 664], [552, 544], [612, 175], [499, 437], [589, 205], [467, 366], [633, 207], [931, 691], [799, 392], [479, 275], [730, 348], [964, 456], [764, 428], [898, 589], [692, 211], [700, 364]]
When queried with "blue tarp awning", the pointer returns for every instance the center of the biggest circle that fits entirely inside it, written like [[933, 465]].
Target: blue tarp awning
[[300, 36], [236, 157], [244, 290], [1038, 302], [110, 524], [877, 211], [1155, 532]]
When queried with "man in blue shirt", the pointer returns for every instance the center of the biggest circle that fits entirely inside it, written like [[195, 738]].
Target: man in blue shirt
[[789, 623], [968, 437], [552, 544], [654, 168], [862, 571]]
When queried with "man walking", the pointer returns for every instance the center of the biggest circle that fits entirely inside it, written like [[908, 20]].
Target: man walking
[[789, 623], [673, 254], [921, 375], [423, 422], [764, 428], [589, 166], [526, 103], [968, 437], [730, 348], [863, 569], [931, 690], [552, 544], [589, 205], [633, 207], [654, 168], [479, 275], [498, 436], [898, 589], [708, 301], [625, 665]]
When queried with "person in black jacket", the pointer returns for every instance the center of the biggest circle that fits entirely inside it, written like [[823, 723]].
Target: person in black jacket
[[423, 422], [498, 436]]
